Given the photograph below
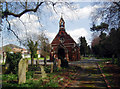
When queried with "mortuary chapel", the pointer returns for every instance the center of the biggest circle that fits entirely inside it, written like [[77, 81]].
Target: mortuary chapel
[[63, 46]]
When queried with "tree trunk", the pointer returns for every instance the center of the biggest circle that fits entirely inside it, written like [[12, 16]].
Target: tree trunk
[[37, 62], [32, 60], [45, 61]]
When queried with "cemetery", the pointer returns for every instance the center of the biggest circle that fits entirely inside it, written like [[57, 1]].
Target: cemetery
[[62, 44], [39, 75], [36, 75]]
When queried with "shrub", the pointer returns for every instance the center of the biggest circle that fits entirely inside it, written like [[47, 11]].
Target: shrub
[[36, 56], [29, 74], [9, 77], [13, 59], [51, 83]]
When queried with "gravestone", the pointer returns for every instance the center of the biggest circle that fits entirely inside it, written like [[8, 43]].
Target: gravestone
[[51, 68], [26, 65], [43, 72], [59, 63], [22, 71]]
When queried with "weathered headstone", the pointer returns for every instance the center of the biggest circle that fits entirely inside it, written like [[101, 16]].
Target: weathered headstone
[[22, 71], [51, 68], [43, 72], [26, 65], [59, 63]]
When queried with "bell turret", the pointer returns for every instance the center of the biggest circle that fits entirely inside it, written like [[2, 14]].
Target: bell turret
[[62, 24]]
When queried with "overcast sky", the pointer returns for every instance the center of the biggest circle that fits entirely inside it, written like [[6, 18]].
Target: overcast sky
[[77, 23]]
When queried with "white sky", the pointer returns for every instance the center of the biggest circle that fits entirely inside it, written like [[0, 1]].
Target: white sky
[[77, 23]]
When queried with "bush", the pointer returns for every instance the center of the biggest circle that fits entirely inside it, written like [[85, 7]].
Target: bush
[[36, 56], [13, 59], [29, 75], [9, 77], [51, 83]]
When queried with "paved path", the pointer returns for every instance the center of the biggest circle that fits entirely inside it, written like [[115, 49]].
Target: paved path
[[40, 62], [88, 76]]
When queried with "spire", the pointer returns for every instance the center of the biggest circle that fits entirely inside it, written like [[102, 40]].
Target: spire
[[61, 24]]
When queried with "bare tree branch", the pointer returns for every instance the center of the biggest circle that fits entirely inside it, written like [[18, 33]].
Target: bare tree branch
[[9, 28], [117, 4], [6, 13], [24, 25]]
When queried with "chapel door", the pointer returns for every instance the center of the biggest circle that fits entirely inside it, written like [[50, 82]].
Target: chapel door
[[61, 53]]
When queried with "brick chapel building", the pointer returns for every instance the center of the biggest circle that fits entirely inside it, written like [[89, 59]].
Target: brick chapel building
[[63, 45]]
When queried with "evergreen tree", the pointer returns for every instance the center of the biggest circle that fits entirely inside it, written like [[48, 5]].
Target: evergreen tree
[[83, 46]]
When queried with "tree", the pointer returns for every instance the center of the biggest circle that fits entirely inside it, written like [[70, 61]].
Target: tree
[[17, 9], [88, 50], [108, 45], [107, 12], [83, 45], [7, 49], [114, 37], [102, 27], [101, 46], [44, 46], [33, 46], [12, 61]]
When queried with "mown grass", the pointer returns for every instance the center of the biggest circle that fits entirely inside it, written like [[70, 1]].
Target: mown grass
[[11, 80], [41, 58], [106, 70], [55, 79]]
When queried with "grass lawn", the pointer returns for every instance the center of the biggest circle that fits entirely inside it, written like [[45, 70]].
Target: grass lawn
[[56, 79], [85, 57], [41, 58], [111, 71]]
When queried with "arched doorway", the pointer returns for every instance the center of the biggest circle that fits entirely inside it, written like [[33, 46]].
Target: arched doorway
[[61, 53]]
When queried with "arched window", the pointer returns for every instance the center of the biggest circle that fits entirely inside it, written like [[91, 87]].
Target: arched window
[[62, 24]]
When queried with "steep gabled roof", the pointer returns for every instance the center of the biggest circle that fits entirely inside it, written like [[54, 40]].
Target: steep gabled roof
[[67, 38], [62, 34]]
